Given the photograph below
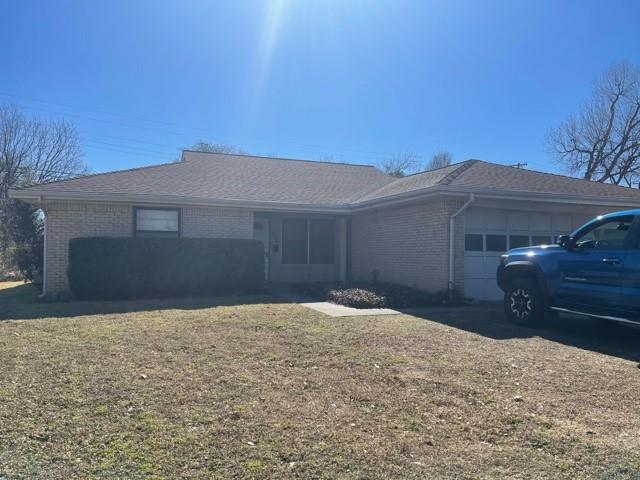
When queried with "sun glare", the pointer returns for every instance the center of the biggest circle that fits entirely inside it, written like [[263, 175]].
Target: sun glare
[[272, 24]]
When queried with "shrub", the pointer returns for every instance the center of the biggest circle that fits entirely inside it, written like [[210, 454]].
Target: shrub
[[102, 268], [376, 295], [356, 297]]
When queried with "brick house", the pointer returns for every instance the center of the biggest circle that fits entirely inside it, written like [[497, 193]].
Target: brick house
[[329, 221]]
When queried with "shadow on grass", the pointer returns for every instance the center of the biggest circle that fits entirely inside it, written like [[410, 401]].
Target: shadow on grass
[[598, 336], [21, 303]]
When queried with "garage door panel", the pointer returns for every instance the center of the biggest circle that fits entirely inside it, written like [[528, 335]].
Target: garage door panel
[[518, 221], [474, 219], [474, 265], [491, 266], [482, 290], [562, 223], [495, 220], [540, 222]]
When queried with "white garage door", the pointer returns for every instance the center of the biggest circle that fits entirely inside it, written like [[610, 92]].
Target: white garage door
[[490, 232]]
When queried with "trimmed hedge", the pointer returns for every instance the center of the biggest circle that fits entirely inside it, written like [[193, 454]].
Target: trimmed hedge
[[105, 268]]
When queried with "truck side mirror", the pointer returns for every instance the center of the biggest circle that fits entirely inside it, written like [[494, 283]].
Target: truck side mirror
[[564, 241]]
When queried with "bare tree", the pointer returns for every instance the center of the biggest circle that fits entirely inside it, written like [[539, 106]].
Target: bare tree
[[401, 164], [602, 142], [32, 151], [36, 151], [439, 160], [202, 146]]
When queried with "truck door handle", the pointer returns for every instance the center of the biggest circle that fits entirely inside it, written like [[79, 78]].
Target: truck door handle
[[612, 261]]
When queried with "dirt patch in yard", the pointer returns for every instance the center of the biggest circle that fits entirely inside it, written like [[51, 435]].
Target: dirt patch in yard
[[274, 390]]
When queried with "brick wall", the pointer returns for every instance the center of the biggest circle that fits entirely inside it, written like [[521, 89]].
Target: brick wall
[[66, 220], [408, 245], [217, 222]]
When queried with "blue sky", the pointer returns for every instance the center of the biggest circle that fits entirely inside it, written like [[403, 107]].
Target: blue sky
[[347, 80]]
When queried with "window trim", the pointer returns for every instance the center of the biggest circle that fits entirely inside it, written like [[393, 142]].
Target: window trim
[[135, 221], [486, 242], [481, 235]]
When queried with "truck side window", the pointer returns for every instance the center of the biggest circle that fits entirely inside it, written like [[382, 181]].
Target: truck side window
[[608, 235]]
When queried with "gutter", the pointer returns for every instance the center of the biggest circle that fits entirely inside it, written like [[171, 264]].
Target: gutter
[[35, 195], [471, 199]]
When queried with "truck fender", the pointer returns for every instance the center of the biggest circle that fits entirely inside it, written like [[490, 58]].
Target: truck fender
[[519, 269]]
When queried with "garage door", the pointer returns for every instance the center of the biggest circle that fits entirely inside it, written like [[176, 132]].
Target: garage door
[[490, 232]]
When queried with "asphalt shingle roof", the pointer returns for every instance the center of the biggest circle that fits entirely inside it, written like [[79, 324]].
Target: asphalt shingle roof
[[476, 174], [264, 179], [237, 177]]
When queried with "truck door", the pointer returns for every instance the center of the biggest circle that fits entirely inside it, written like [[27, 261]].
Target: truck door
[[591, 273]]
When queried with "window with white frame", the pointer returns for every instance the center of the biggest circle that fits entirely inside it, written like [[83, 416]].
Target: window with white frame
[[158, 222]]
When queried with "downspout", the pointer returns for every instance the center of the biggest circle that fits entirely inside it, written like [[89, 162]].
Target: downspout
[[44, 253], [471, 199]]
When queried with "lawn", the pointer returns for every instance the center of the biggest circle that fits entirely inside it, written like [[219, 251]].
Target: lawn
[[255, 388]]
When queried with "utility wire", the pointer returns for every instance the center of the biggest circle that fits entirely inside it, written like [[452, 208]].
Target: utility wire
[[369, 154]]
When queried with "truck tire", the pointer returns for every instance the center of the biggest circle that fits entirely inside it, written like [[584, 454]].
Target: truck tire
[[523, 302]]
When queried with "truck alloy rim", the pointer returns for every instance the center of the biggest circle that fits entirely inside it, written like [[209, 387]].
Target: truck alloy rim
[[521, 303]]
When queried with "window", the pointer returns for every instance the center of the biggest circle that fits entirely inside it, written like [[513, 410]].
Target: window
[[308, 241], [610, 234], [496, 243], [473, 242], [322, 244], [518, 241], [541, 240], [157, 222], [294, 241]]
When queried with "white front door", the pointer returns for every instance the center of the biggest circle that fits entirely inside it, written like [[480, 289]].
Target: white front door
[[261, 232]]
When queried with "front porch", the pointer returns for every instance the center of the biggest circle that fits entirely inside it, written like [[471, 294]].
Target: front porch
[[303, 247]]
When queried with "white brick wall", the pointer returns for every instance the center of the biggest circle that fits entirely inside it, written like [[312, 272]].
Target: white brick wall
[[408, 245], [67, 220]]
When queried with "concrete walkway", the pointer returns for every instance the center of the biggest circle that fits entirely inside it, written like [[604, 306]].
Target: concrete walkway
[[328, 308]]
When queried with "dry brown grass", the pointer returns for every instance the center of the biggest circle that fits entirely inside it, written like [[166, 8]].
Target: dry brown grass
[[273, 390]]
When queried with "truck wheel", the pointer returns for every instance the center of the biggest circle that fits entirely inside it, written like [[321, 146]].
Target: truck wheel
[[523, 303]]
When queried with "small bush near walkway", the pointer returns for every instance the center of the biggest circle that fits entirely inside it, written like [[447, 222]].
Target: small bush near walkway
[[376, 295], [102, 268]]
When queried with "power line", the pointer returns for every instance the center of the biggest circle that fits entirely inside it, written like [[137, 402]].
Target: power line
[[125, 139], [119, 124], [144, 150], [201, 129]]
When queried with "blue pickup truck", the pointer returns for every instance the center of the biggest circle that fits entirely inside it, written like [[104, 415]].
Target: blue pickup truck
[[593, 272]]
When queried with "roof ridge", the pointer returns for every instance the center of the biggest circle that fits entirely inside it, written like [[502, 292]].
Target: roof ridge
[[458, 166], [451, 176], [435, 169], [88, 175], [281, 158]]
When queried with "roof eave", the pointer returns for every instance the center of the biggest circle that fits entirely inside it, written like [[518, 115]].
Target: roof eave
[[489, 193], [34, 197]]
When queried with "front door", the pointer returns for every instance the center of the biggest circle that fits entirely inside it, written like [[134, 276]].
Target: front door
[[261, 232], [591, 273]]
